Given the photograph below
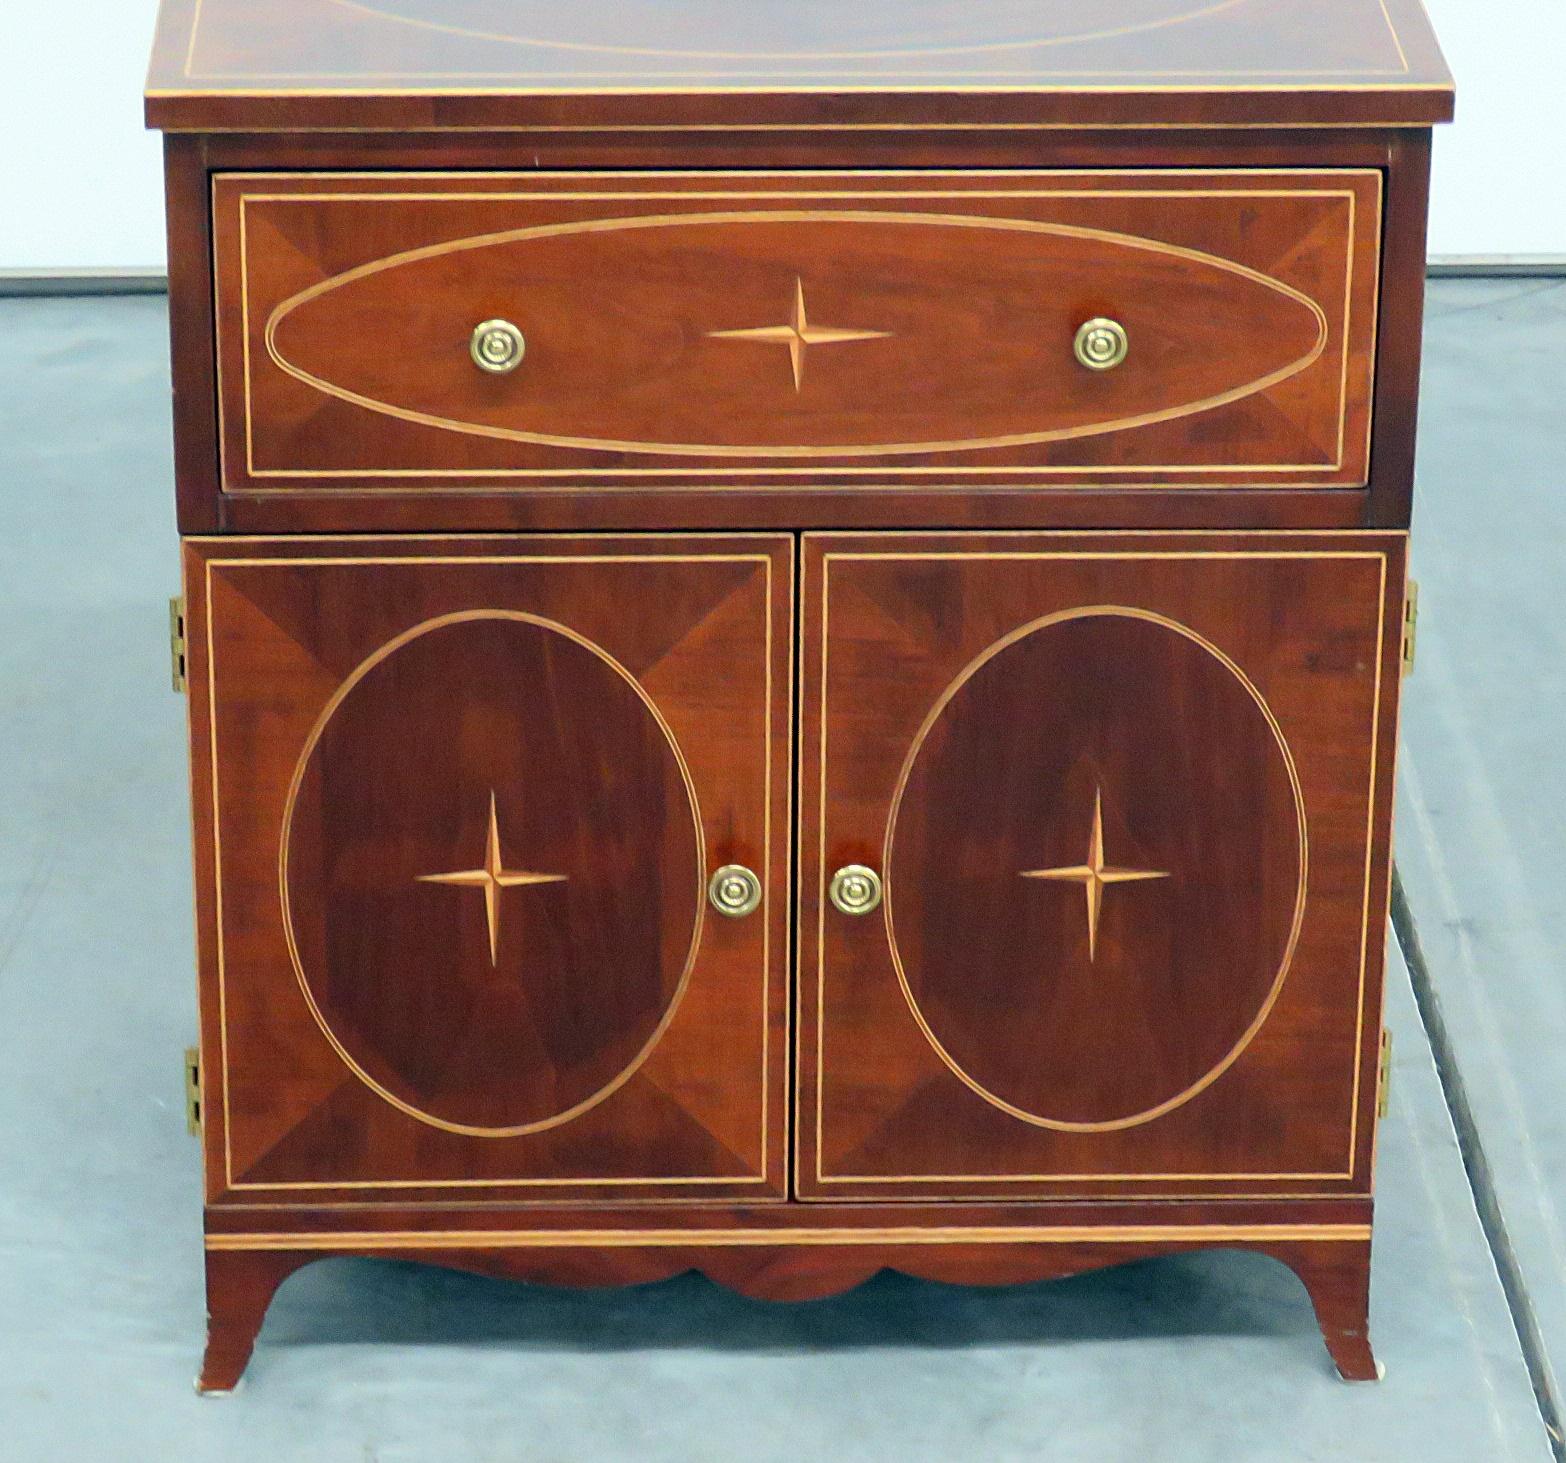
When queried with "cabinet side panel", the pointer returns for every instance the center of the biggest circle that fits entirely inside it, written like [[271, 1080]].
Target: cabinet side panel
[[191, 325], [1401, 333]]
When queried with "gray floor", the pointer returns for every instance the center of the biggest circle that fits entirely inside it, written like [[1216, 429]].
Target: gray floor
[[1482, 792], [1211, 1357]]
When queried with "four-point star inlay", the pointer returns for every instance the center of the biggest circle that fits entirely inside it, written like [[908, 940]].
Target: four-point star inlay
[[798, 334], [1095, 874], [492, 878]]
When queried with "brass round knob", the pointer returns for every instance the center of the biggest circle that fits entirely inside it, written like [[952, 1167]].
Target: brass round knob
[[497, 346], [855, 889], [735, 891], [1102, 344]]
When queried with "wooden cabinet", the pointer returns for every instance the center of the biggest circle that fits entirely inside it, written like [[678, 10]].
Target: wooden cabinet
[[793, 631]]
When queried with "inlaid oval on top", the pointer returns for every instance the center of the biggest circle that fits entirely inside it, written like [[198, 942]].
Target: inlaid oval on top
[[1096, 869], [796, 333], [492, 873], [812, 30]]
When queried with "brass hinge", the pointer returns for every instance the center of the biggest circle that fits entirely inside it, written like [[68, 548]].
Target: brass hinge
[[177, 641], [1410, 624], [1384, 1075], [193, 1112]]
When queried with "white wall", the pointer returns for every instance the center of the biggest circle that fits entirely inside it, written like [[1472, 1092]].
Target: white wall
[[1500, 172], [80, 183]]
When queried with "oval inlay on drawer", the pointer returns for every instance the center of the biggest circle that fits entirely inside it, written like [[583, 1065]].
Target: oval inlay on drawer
[[797, 325], [912, 333]]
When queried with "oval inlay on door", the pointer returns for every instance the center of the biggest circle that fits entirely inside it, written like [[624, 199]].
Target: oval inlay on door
[[1097, 869], [492, 873], [795, 333]]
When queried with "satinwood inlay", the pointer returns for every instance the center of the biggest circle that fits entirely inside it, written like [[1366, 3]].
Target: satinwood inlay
[[1095, 874], [492, 878], [799, 334]]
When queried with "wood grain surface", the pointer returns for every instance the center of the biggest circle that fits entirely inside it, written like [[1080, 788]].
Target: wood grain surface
[[410, 63], [458, 801], [1207, 723], [876, 329]]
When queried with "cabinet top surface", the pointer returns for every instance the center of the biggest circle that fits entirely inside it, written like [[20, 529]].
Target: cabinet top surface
[[263, 64]]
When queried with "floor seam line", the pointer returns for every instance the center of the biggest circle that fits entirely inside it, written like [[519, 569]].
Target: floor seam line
[[1476, 1166]]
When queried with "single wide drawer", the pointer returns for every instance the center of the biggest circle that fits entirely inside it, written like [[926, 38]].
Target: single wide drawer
[[549, 330]]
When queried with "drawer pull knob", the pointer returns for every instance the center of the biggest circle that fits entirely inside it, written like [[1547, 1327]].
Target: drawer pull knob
[[1102, 344], [855, 889], [497, 346], [734, 891]]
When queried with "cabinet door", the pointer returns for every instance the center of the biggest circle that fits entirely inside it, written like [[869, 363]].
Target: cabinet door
[[458, 805], [1128, 799]]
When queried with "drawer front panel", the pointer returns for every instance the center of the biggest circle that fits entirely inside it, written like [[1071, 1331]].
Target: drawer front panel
[[805, 329], [1128, 801], [459, 812]]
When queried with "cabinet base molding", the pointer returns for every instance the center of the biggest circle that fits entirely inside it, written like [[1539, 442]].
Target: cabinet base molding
[[244, 1271]]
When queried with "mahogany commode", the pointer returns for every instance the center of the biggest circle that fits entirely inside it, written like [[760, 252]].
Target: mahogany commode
[[793, 620]]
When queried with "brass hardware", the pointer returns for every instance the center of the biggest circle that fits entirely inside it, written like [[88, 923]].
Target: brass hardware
[[193, 1113], [1102, 344], [1384, 1075], [1410, 624], [177, 642], [855, 889], [734, 891], [497, 346]]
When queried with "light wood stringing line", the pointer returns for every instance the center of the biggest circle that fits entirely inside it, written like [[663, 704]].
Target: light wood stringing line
[[694, 219], [680, 1238]]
